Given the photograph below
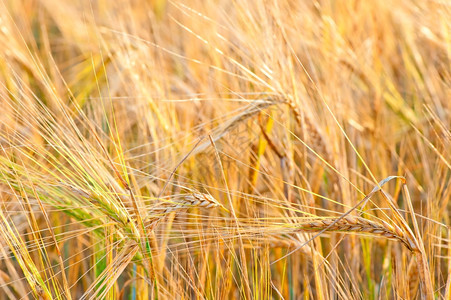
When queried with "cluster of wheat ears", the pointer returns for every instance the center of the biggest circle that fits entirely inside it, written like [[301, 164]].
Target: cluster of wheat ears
[[225, 149]]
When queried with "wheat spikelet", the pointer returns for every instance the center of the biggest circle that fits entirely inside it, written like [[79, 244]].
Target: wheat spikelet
[[359, 225]]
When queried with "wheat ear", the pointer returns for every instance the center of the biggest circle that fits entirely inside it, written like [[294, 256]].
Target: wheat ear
[[358, 225], [314, 136]]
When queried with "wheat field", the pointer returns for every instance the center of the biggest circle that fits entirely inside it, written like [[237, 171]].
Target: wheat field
[[225, 149]]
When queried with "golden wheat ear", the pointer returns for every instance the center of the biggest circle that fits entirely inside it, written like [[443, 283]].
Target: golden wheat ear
[[358, 225]]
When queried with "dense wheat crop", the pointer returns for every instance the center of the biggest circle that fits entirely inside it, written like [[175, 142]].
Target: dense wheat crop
[[225, 149]]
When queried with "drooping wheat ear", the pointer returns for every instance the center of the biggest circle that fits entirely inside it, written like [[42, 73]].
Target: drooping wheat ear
[[413, 277], [252, 109], [359, 225], [314, 137]]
